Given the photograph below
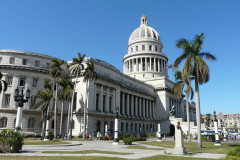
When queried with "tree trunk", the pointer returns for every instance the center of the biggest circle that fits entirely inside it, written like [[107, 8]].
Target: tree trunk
[[198, 113], [71, 117], [188, 119], [60, 133], [55, 111], [84, 112], [68, 121]]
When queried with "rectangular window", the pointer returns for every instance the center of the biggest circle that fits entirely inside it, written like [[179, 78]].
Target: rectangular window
[[35, 80], [9, 80], [22, 81], [12, 60], [0, 60], [24, 62], [37, 63], [7, 99], [110, 104], [104, 103], [32, 102], [97, 102], [48, 65]]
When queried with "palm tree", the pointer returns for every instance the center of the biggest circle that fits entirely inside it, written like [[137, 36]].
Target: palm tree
[[88, 75], [65, 94], [195, 66], [56, 70], [178, 89], [76, 68], [45, 97], [3, 84]]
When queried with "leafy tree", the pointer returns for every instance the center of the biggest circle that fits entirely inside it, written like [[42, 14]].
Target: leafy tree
[[3, 84], [76, 68], [178, 89], [88, 75], [56, 70], [208, 119], [65, 94], [195, 66]]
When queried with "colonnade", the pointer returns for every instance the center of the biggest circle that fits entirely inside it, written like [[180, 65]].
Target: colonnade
[[145, 64], [135, 106]]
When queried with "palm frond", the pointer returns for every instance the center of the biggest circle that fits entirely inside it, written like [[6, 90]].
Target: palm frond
[[179, 60], [208, 56]]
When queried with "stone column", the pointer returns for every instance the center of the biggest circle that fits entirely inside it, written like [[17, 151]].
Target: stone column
[[159, 132], [153, 110], [150, 63], [150, 109], [132, 106], [107, 101], [144, 107], [155, 65], [141, 65], [116, 99], [159, 65], [217, 141], [146, 114], [127, 112], [140, 107], [137, 65], [136, 106], [101, 99], [116, 141], [123, 103]]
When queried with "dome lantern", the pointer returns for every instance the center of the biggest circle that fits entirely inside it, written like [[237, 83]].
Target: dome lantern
[[144, 20]]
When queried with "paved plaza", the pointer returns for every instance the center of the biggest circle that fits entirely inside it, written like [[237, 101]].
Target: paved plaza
[[37, 150]]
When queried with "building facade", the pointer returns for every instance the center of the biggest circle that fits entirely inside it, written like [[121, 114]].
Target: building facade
[[143, 92]]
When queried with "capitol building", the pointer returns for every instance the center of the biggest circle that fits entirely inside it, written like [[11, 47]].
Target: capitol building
[[143, 92]]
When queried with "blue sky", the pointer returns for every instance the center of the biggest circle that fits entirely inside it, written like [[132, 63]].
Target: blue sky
[[101, 29]]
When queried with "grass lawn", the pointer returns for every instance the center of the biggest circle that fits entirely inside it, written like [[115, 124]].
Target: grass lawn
[[40, 142], [58, 158], [207, 147], [87, 151], [172, 158], [141, 147]]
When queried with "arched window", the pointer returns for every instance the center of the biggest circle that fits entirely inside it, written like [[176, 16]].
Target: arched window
[[3, 122], [98, 126], [31, 123], [156, 48], [143, 47], [136, 48], [150, 47]]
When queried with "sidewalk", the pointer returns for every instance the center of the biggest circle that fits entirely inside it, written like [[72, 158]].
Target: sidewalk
[[36, 150]]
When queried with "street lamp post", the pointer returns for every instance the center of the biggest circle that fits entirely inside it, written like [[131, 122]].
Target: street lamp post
[[159, 131], [217, 141], [47, 115], [19, 98], [116, 140]]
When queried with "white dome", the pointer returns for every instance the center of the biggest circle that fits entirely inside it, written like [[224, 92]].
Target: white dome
[[144, 33]]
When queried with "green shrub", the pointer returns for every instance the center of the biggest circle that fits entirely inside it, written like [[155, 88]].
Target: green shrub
[[140, 139], [111, 137], [208, 138], [11, 141], [128, 139], [50, 135], [151, 135]]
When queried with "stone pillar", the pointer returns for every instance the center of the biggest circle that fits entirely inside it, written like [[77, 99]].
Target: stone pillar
[[179, 144], [150, 110], [117, 99], [107, 101], [101, 99], [150, 63], [141, 65], [159, 132], [136, 106], [146, 114], [114, 101], [144, 107], [155, 65], [116, 141], [137, 65], [127, 111], [217, 141], [123, 103], [153, 108], [140, 107], [132, 106], [159, 65]]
